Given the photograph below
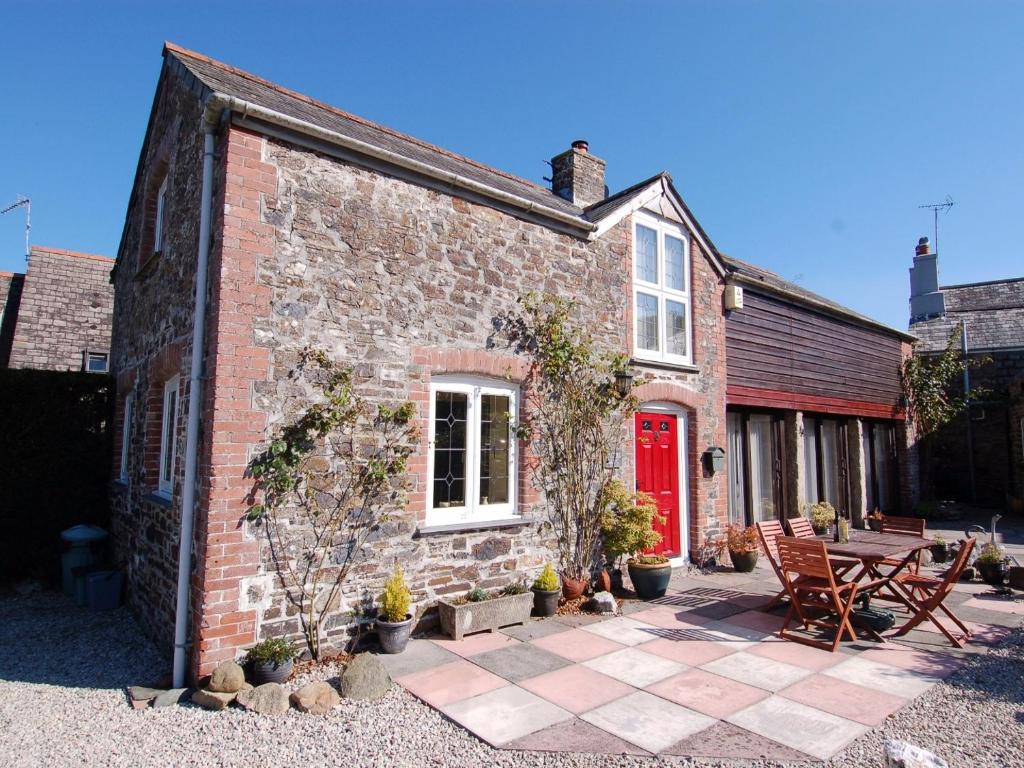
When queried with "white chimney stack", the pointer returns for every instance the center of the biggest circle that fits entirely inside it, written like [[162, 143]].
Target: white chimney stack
[[926, 300]]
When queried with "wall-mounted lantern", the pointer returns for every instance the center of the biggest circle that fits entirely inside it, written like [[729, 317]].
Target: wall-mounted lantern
[[623, 383], [714, 459]]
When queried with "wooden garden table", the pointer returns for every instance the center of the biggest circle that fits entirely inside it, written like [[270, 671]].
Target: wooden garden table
[[872, 548]]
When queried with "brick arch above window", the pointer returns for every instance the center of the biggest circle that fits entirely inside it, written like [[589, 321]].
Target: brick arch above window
[[661, 391], [477, 362]]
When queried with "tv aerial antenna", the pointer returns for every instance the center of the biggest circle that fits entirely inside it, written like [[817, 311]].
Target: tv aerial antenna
[[936, 209], [23, 202]]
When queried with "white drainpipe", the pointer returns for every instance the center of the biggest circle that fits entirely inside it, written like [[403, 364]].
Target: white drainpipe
[[195, 406]]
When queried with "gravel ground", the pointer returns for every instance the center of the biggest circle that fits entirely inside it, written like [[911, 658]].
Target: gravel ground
[[62, 673]]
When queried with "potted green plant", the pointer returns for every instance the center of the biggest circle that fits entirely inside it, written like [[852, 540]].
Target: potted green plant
[[394, 621], [546, 589], [627, 528], [939, 549], [991, 565], [742, 545], [823, 516], [271, 660], [478, 610], [875, 521]]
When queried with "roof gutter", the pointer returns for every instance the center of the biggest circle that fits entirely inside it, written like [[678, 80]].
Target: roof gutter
[[248, 109]]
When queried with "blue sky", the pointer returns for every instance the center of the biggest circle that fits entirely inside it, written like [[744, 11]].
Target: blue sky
[[802, 135]]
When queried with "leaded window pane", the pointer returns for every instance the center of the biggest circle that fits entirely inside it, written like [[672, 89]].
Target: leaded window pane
[[646, 254], [450, 413], [675, 325], [494, 449], [675, 264], [647, 321]]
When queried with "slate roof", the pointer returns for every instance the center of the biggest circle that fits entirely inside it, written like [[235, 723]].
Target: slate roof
[[216, 77], [751, 274], [994, 312]]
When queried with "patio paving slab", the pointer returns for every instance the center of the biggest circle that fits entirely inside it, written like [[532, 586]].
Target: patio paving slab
[[505, 714], [634, 667], [882, 677], [767, 623], [448, 683], [535, 629], [577, 688], [725, 740], [481, 642], [853, 702], [708, 693], [998, 603], [669, 617], [578, 619], [575, 736], [692, 653], [798, 655], [520, 661], [764, 673], [622, 630], [649, 722], [940, 665], [418, 655], [577, 645], [796, 725], [735, 632]]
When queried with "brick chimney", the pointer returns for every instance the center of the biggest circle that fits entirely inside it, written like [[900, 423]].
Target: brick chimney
[[926, 300], [578, 176]]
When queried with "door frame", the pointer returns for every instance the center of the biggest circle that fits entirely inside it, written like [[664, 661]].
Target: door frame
[[682, 441]]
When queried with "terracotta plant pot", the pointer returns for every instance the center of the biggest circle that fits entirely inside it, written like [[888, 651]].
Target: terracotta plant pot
[[545, 602], [602, 581], [573, 588], [394, 635], [875, 524], [744, 562], [271, 672], [649, 580]]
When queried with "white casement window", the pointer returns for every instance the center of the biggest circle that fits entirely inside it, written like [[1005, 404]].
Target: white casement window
[[126, 434], [661, 291], [168, 437], [472, 459], [158, 223], [95, 362]]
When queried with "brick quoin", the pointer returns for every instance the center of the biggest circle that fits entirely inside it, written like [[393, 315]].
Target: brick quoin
[[225, 554]]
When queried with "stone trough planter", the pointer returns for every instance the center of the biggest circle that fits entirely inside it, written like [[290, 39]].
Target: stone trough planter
[[464, 619]]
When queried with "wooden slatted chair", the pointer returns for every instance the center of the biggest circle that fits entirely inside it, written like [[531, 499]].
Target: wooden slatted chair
[[904, 526], [801, 528], [768, 531], [928, 595], [813, 587]]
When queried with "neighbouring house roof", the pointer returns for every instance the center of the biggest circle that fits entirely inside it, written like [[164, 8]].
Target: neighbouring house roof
[[763, 280], [993, 311]]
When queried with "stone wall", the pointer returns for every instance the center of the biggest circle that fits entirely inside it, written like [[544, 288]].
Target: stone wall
[[11, 285], [65, 310]]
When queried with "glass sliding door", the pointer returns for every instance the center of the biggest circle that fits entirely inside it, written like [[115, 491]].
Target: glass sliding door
[[824, 475], [761, 458], [755, 466], [809, 470], [737, 469], [879, 467], [829, 455]]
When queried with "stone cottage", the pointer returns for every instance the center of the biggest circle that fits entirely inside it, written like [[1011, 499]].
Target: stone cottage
[[262, 221]]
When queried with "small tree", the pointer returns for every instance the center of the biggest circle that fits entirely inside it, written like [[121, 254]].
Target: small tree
[[627, 521], [325, 482], [574, 422]]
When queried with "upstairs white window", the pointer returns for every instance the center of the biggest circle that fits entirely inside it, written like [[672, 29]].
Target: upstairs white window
[[168, 437], [158, 221], [126, 434], [95, 362], [661, 291], [472, 459]]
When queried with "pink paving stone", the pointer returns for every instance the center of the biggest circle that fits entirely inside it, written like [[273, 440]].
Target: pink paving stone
[[759, 620], [577, 688], [838, 697], [939, 665], [471, 645], [985, 634], [797, 655], [577, 645], [449, 683], [707, 693], [670, 617], [575, 736], [693, 653], [997, 603]]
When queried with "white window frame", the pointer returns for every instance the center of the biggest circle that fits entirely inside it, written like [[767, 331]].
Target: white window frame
[[473, 511], [87, 356], [661, 291], [158, 224], [126, 433], [165, 484]]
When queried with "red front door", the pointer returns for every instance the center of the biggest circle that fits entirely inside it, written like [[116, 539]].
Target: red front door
[[657, 473]]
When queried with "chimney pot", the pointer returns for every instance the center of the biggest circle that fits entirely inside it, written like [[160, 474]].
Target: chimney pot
[[582, 145], [923, 247]]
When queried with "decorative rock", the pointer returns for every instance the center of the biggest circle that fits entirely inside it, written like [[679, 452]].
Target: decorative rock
[[228, 677], [266, 699], [605, 602], [214, 700], [143, 693], [901, 754], [969, 574], [171, 697], [317, 698], [365, 678]]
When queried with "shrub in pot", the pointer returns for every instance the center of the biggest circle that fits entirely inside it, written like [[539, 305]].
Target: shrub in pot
[[546, 589], [991, 565], [939, 550], [394, 621], [742, 544], [271, 660], [627, 528], [650, 575], [823, 515]]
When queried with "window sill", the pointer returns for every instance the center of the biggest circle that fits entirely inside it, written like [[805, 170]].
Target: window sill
[[119, 484], [159, 499], [661, 364], [464, 526]]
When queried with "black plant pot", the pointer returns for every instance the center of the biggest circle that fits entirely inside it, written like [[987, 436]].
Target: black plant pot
[[271, 672], [616, 574], [940, 553], [394, 635], [545, 601], [875, 524], [743, 562], [649, 581], [993, 574]]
